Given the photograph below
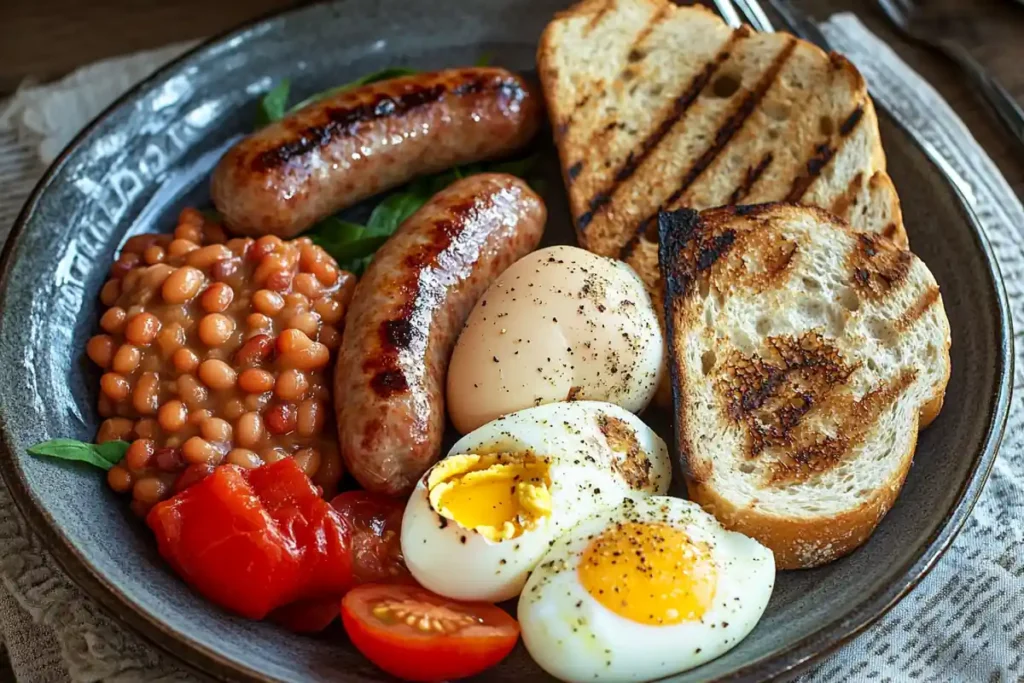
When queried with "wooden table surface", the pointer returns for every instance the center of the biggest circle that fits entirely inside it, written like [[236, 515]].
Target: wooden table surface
[[43, 39]]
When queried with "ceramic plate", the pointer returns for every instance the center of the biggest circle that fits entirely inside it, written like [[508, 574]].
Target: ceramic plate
[[149, 155]]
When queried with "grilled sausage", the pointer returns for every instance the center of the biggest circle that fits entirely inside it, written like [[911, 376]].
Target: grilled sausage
[[406, 314], [340, 150]]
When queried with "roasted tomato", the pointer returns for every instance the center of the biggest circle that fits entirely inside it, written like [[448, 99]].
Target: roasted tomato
[[416, 635], [254, 540], [375, 524]]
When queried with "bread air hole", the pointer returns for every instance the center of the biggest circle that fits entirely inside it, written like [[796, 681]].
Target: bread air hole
[[763, 327], [707, 362], [725, 85], [704, 287], [776, 110], [811, 285], [825, 126], [848, 299], [882, 330]]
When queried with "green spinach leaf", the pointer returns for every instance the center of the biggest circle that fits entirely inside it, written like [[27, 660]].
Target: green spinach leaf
[[104, 455], [273, 104]]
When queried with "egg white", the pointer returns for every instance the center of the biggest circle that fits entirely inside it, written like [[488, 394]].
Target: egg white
[[575, 638], [586, 476], [559, 324]]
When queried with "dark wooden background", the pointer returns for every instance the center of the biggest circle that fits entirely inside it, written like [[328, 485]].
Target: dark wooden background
[[44, 39]]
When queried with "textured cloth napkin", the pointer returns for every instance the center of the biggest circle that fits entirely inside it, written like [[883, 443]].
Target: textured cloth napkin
[[962, 623]]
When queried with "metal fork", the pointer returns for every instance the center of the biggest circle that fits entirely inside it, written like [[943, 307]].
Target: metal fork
[[751, 10], [906, 16]]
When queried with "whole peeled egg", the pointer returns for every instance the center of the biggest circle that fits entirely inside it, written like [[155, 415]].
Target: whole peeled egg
[[559, 324]]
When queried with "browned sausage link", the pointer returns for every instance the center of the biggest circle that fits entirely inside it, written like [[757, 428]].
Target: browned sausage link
[[336, 152], [406, 314]]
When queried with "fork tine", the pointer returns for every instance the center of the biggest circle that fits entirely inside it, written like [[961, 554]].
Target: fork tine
[[728, 12], [755, 15]]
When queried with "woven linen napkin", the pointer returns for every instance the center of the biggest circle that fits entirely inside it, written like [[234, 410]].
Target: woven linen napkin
[[962, 623]]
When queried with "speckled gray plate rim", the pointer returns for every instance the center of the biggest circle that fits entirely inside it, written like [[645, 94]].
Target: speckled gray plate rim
[[784, 660]]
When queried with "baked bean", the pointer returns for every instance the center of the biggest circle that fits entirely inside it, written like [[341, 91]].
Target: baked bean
[[142, 329], [147, 428], [310, 418], [272, 455], [267, 267], [172, 416], [199, 451], [179, 248], [267, 302], [293, 340], [243, 457], [314, 357], [291, 385], [119, 479], [249, 430], [331, 311], [233, 409], [264, 246], [259, 322], [146, 397], [257, 402], [197, 417], [307, 285], [280, 280], [170, 339], [327, 274], [110, 292], [150, 490], [100, 350], [115, 429], [154, 255], [280, 418], [115, 386], [104, 406], [192, 392], [113, 320], [138, 455], [330, 337], [308, 459], [183, 285], [240, 246], [153, 278], [126, 359], [309, 323], [215, 329], [185, 360], [205, 257], [255, 350], [296, 303], [329, 474], [124, 264], [193, 474], [168, 459], [222, 271], [217, 374], [214, 232], [255, 381], [189, 230], [191, 216], [215, 429], [217, 298]]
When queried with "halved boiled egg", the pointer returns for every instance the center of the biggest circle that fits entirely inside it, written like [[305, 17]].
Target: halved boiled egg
[[647, 589], [480, 520]]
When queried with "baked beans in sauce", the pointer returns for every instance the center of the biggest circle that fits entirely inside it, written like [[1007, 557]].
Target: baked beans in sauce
[[218, 350]]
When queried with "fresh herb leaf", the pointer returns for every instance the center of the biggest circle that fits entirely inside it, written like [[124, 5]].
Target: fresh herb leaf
[[274, 103], [104, 455], [393, 211], [359, 248], [485, 59], [382, 75]]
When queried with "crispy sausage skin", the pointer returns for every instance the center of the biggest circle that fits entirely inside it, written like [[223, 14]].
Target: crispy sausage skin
[[340, 150], [406, 314]]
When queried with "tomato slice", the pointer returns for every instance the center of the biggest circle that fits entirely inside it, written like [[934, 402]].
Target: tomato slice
[[375, 525], [416, 635]]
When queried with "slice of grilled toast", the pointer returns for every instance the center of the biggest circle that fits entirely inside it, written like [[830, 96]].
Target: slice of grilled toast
[[804, 357], [656, 106]]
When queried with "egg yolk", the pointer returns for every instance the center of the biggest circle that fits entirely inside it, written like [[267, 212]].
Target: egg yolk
[[499, 495], [649, 573]]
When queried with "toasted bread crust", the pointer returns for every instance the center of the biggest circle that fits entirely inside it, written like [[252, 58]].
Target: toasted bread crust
[[804, 543]]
